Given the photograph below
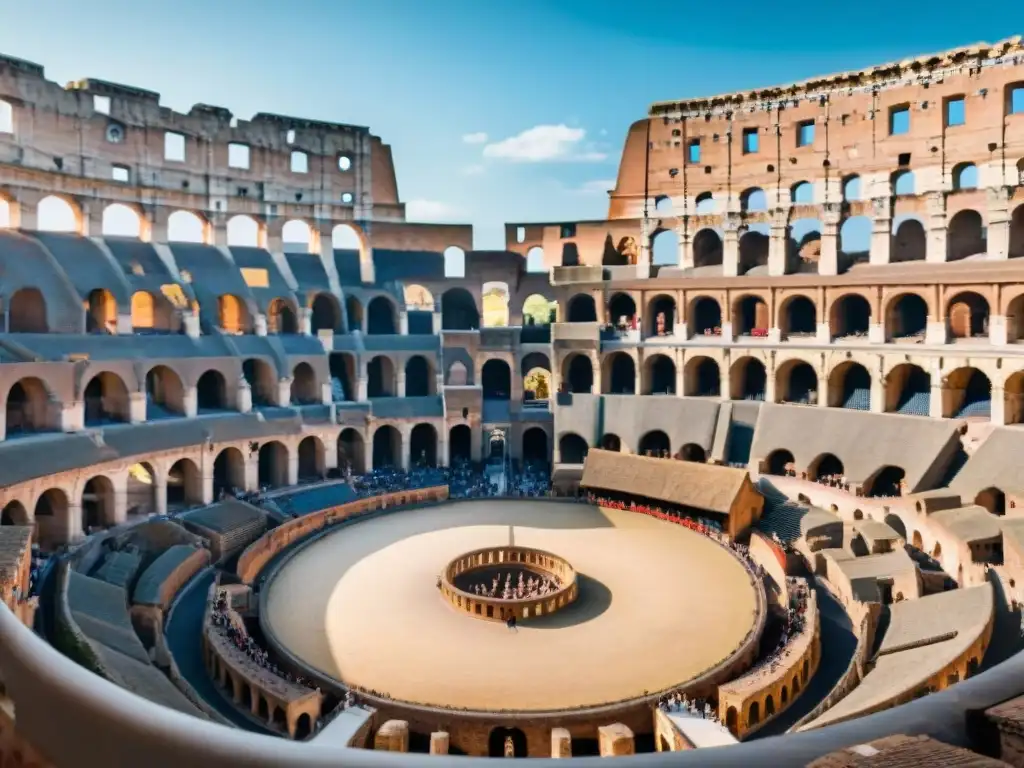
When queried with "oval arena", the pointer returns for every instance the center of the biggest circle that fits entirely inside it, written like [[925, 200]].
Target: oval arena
[[278, 465]]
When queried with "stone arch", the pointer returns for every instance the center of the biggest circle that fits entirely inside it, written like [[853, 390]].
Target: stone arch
[[753, 199], [454, 262], [798, 316], [886, 481], [659, 375], [460, 443], [796, 382], [769, 707], [731, 721], [496, 380], [233, 314], [802, 193], [967, 315], [243, 231], [14, 513], [165, 393], [535, 446], [535, 260], [153, 313], [458, 311], [105, 399], [852, 188], [354, 313], [702, 377], [538, 310], [536, 370], [572, 448], [262, 380], [211, 392], [903, 183], [52, 516], [272, 465], [618, 374], [495, 300], [704, 203], [655, 443], [854, 240], [704, 316], [281, 317], [120, 220], [97, 504], [100, 312], [621, 310], [1013, 398], [753, 251], [325, 314], [296, 232], [965, 236], [850, 316], [420, 380], [26, 312], [342, 370], [28, 406], [423, 446], [964, 176], [909, 241], [993, 499], [457, 375], [381, 316], [305, 389], [345, 237], [351, 452], [692, 452], [57, 214], [581, 309], [906, 316], [747, 379], [966, 392], [186, 227], [661, 313], [750, 316], [611, 442], [908, 390], [228, 472], [779, 462], [578, 373], [825, 465], [665, 247], [707, 249], [312, 460], [754, 714], [380, 377], [387, 447], [1017, 223], [849, 386], [184, 484], [803, 245]]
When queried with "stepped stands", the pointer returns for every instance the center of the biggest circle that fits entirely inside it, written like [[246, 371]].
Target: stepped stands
[[915, 405], [159, 582], [978, 408], [277, 287], [86, 266], [346, 261], [119, 568], [26, 264], [229, 525], [101, 611], [858, 400], [781, 516], [212, 276], [308, 500]]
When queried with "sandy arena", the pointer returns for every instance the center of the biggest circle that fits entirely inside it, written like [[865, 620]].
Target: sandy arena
[[658, 606]]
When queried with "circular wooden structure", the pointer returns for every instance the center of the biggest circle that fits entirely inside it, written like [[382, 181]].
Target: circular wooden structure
[[486, 560]]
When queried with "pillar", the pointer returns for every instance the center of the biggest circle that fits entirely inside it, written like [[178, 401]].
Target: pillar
[[730, 247], [190, 324], [363, 388], [206, 479], [999, 219], [260, 325], [644, 258], [305, 321], [443, 449], [124, 324], [252, 470], [403, 322], [120, 505], [561, 743], [680, 377], [243, 396], [878, 394], [160, 492], [935, 226], [998, 333], [685, 257], [73, 525], [935, 399], [435, 322], [284, 392], [136, 407], [190, 401], [401, 383], [326, 393], [70, 416], [293, 467], [393, 736], [828, 263], [406, 449], [778, 243], [935, 332], [615, 740], [439, 743], [998, 416], [881, 230]]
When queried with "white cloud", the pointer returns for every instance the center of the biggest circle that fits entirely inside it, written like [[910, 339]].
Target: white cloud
[[472, 170], [475, 138], [597, 186], [545, 143], [432, 210]]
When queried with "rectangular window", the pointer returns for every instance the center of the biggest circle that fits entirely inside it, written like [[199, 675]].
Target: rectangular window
[[174, 147], [899, 120], [955, 114], [693, 151], [238, 156], [568, 230], [300, 162], [120, 173], [101, 104], [1016, 100], [805, 133], [749, 141]]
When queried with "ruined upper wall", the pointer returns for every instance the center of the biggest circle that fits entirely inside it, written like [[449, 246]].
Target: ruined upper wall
[[850, 114], [91, 129]]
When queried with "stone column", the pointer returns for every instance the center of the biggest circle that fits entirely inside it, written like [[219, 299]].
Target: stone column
[[685, 257], [260, 325], [252, 470], [561, 743], [680, 378], [393, 736], [935, 399], [243, 396], [615, 740], [363, 387], [730, 245], [124, 324], [136, 407], [284, 391], [638, 378], [778, 242], [120, 505], [160, 493], [997, 330], [878, 393], [644, 259], [998, 416], [293, 467], [439, 743], [305, 321], [881, 230], [73, 525], [935, 224], [443, 449], [406, 449], [435, 322], [403, 322], [828, 264], [190, 402], [935, 332], [190, 322], [999, 219], [401, 383], [70, 417], [207, 482]]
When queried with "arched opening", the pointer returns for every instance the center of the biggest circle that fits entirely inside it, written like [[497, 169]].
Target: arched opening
[[233, 315], [854, 241], [535, 446], [579, 374], [262, 382], [967, 316], [387, 448], [325, 314], [228, 472], [121, 221], [992, 499], [281, 317], [803, 246], [106, 400], [618, 374], [704, 203], [312, 463], [243, 231], [655, 443], [165, 394], [55, 214], [380, 377], [344, 237], [1013, 399], [965, 236], [1017, 223], [754, 716], [26, 312], [886, 482], [305, 389], [730, 721], [909, 242], [381, 317], [780, 462], [851, 189], [151, 314], [769, 706], [419, 377], [185, 227], [295, 236], [458, 311], [659, 375], [750, 316], [51, 517], [692, 452], [98, 504], [850, 316], [707, 249], [704, 317], [753, 200], [354, 314], [849, 386], [665, 246], [535, 260], [351, 452], [748, 379], [572, 448], [496, 380], [965, 176], [908, 390], [419, 306], [582, 309], [799, 318], [14, 514], [454, 262], [303, 727], [611, 442], [460, 443], [537, 381], [826, 467], [28, 407], [495, 304], [662, 314], [184, 484], [506, 742], [622, 311], [796, 382], [906, 317], [753, 251], [702, 377], [272, 463], [423, 446], [903, 183], [966, 393], [539, 310], [457, 375], [101, 312], [802, 193], [211, 392]]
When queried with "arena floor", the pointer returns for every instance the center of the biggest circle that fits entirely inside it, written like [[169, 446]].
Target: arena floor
[[658, 605]]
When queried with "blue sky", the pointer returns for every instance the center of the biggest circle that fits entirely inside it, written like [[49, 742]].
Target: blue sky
[[495, 110]]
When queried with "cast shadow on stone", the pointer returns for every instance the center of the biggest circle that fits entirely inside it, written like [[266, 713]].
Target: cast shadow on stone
[[594, 599]]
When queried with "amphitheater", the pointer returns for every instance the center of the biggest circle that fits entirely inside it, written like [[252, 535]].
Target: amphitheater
[[764, 419]]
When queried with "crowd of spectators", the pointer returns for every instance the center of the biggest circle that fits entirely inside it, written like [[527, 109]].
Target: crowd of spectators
[[523, 589], [534, 480], [678, 702], [794, 623]]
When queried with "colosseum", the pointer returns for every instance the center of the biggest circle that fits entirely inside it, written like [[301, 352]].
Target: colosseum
[[730, 471]]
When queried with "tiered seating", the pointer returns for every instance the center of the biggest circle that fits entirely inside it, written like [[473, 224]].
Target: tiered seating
[[118, 568], [148, 589], [781, 516], [304, 502], [915, 405], [979, 408], [858, 400]]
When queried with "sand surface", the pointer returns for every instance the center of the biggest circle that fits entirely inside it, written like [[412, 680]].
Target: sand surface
[[658, 605]]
